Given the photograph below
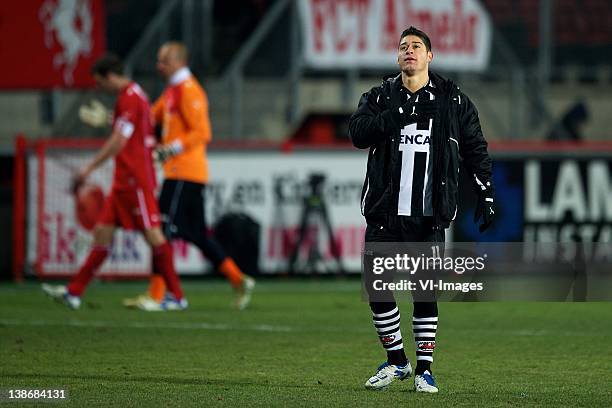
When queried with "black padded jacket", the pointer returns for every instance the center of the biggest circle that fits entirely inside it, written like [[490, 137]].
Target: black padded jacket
[[456, 137]]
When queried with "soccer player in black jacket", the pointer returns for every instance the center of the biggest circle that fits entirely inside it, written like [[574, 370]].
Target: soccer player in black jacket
[[418, 126]]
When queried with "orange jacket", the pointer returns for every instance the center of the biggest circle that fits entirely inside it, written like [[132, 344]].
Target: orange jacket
[[182, 110]]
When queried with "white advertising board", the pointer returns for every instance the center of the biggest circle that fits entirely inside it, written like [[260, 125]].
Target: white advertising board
[[267, 186], [341, 34]]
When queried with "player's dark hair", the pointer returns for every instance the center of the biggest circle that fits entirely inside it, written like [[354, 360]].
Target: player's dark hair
[[106, 64], [416, 32]]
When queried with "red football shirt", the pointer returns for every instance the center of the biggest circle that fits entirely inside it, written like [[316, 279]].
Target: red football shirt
[[132, 119]]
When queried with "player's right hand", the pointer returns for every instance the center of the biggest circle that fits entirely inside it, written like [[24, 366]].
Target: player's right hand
[[79, 179], [164, 152], [95, 114], [76, 184]]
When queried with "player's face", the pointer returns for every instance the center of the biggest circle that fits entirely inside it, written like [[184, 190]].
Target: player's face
[[103, 83], [412, 55], [166, 63]]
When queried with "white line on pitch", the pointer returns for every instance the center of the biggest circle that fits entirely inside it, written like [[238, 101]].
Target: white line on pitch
[[147, 325], [261, 327]]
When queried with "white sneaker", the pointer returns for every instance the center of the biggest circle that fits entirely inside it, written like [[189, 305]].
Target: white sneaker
[[245, 292], [425, 383], [386, 374], [60, 294], [170, 303], [135, 301], [147, 304]]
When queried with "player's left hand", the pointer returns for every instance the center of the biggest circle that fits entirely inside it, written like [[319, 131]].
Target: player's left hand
[[485, 210]]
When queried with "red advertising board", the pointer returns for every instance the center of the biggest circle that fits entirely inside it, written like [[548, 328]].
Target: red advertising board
[[50, 43]]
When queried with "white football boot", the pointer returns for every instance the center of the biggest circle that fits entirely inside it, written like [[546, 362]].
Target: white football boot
[[147, 304], [60, 294], [135, 301], [425, 383], [168, 303], [386, 374], [245, 292]]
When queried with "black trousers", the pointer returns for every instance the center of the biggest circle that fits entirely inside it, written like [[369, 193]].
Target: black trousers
[[182, 206], [400, 228]]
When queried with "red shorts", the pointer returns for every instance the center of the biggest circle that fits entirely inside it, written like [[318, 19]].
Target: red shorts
[[131, 209]]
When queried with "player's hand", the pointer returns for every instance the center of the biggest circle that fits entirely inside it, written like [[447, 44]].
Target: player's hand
[[485, 210], [80, 178], [407, 109], [75, 185], [95, 114], [427, 108], [77, 182], [164, 152]]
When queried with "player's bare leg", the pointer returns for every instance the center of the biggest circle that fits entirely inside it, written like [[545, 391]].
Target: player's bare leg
[[71, 294]]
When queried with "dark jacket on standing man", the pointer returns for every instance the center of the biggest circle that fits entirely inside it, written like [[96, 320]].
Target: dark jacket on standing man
[[456, 137]]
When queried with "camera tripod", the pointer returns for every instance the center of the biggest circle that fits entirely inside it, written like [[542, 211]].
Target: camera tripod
[[314, 206]]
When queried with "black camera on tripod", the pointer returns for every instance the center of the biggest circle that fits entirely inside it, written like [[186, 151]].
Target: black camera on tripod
[[316, 183]]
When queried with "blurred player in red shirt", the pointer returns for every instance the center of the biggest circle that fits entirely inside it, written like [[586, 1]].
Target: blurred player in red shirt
[[131, 203]]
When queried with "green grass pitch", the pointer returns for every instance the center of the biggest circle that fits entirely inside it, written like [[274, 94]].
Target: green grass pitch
[[301, 343]]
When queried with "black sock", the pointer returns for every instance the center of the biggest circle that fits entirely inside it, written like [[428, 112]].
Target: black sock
[[422, 366], [397, 357]]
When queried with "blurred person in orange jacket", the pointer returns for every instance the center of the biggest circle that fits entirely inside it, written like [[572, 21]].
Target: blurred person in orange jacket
[[182, 112]]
